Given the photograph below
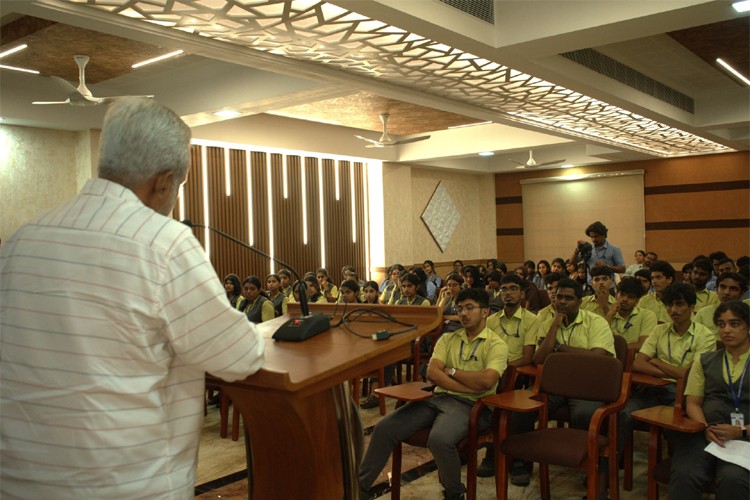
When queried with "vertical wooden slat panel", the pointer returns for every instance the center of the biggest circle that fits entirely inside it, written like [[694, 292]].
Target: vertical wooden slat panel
[[229, 213]]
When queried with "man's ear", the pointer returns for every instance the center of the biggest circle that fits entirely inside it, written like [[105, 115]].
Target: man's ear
[[163, 182]]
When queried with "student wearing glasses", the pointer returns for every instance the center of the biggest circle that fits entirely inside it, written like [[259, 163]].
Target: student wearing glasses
[[519, 329], [465, 366]]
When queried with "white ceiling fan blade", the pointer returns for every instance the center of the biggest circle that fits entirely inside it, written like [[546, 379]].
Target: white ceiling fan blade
[[65, 84], [522, 163], [367, 140], [407, 141], [548, 163], [52, 102], [107, 100]]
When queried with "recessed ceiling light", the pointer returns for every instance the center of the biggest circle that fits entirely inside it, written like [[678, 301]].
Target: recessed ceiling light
[[12, 51], [23, 70], [733, 71], [227, 113], [742, 6], [567, 165], [486, 153], [469, 125], [157, 59]]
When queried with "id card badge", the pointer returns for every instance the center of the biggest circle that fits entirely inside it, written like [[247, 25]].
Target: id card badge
[[737, 419]]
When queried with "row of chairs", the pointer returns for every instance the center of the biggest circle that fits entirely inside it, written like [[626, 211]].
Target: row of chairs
[[570, 375]]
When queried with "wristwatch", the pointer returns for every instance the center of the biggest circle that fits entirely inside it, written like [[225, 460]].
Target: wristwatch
[[451, 372]]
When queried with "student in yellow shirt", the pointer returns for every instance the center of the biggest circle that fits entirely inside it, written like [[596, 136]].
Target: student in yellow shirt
[[702, 270], [729, 286], [662, 275], [328, 289], [626, 318], [275, 295], [602, 300]]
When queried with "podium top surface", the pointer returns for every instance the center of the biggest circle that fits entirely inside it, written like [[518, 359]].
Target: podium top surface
[[336, 355]]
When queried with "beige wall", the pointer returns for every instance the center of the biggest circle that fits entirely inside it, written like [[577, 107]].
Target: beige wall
[[406, 192], [40, 168]]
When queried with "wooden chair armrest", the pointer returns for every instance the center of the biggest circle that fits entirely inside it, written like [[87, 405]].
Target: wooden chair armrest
[[413, 391], [519, 400], [529, 370], [667, 417], [648, 380]]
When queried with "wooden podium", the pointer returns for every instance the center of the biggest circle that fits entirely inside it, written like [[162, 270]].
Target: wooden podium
[[298, 414]]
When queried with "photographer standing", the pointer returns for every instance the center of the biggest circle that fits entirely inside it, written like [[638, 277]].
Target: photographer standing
[[603, 253]]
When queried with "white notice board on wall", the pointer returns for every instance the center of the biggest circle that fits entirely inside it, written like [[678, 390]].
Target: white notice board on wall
[[556, 212]]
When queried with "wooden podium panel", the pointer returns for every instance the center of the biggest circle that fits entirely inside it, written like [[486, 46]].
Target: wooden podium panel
[[296, 409]]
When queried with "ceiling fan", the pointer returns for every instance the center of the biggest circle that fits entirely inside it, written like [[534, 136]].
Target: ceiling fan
[[81, 95], [385, 140], [531, 162]]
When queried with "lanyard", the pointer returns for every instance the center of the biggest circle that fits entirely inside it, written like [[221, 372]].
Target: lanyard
[[684, 354], [562, 334], [625, 326], [473, 351], [518, 330], [735, 395]]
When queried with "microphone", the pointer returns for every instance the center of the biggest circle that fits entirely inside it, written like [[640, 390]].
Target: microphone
[[295, 329]]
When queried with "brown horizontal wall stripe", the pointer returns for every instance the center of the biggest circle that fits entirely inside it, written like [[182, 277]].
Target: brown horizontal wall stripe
[[510, 231], [696, 188], [698, 224], [508, 200]]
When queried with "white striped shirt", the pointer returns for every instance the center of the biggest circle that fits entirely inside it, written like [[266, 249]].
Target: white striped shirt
[[110, 314]]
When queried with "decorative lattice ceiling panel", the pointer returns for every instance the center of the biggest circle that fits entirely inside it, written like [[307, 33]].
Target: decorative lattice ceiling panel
[[319, 32]]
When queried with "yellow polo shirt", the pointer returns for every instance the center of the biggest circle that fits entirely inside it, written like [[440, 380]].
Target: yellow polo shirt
[[705, 298], [589, 303], [667, 345], [486, 350], [519, 330], [640, 323], [651, 302], [588, 331], [697, 379]]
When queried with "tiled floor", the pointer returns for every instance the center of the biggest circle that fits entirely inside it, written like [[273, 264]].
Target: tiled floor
[[222, 464]]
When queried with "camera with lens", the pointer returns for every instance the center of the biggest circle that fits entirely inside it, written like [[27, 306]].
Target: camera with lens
[[585, 249]]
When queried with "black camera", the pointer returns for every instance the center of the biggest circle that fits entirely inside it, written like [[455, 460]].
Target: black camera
[[585, 249]]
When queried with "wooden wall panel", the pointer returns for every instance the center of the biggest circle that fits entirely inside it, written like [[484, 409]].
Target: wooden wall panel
[[264, 173], [683, 198]]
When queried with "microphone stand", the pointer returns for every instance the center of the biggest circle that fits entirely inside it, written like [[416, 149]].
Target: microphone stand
[[294, 329]]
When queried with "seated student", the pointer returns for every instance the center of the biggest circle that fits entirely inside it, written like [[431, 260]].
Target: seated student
[[472, 278], [350, 273], [548, 312], [644, 276], [650, 257], [602, 300], [572, 269], [534, 300], [543, 269], [255, 303], [429, 269], [370, 293], [493, 279], [714, 258], [532, 275], [667, 353], [279, 300], [328, 289], [392, 286], [702, 270], [234, 289], [314, 296], [640, 263], [687, 272], [558, 265], [729, 286], [625, 318], [726, 265], [574, 330], [718, 395], [458, 267], [410, 284], [662, 275], [427, 289], [465, 366], [285, 278], [349, 292], [447, 302], [492, 265], [520, 330]]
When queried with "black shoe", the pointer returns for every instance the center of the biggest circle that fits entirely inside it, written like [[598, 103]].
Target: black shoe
[[520, 475], [372, 401], [453, 496], [364, 494], [487, 467]]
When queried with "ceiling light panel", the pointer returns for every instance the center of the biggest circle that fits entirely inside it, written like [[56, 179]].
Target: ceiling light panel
[[318, 32]]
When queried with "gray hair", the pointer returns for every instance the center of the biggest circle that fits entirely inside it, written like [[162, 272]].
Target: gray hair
[[141, 138]]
